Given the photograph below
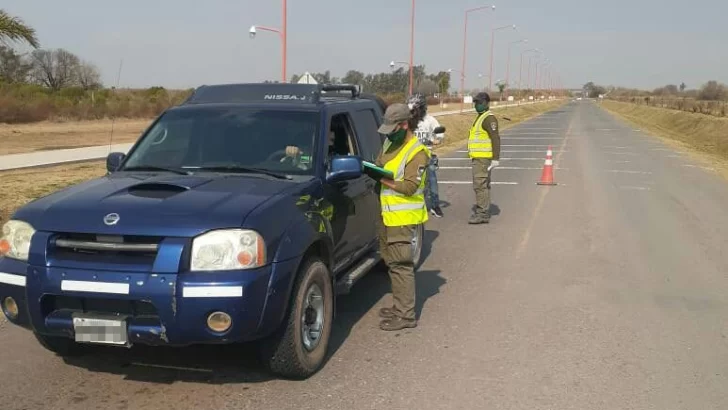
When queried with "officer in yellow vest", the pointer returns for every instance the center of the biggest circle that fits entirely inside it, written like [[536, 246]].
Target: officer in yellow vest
[[484, 151], [403, 208]]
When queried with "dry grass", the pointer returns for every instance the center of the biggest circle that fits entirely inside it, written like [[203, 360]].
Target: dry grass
[[458, 125], [48, 135], [704, 136], [22, 186]]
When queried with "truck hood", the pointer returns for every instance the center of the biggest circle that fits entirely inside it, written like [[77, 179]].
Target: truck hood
[[156, 205]]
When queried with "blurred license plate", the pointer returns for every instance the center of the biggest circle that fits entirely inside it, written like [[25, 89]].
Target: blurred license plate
[[102, 331]]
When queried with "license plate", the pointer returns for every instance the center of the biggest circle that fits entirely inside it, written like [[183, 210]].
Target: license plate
[[98, 330]]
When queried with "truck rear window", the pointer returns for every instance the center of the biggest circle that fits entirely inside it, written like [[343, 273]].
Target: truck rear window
[[230, 136]]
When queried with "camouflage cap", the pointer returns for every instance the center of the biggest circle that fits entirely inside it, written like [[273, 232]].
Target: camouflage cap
[[395, 114]]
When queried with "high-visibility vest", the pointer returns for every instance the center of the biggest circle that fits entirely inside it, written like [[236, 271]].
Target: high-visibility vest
[[397, 208], [479, 143]]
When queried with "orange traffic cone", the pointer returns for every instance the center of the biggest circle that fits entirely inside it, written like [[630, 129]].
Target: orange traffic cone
[[547, 176]]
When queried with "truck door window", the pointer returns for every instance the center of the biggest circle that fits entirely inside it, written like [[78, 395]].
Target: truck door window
[[369, 137], [344, 138]]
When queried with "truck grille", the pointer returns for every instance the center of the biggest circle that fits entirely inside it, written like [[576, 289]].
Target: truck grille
[[91, 248]]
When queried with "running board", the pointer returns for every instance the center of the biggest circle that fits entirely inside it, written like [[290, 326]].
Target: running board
[[347, 281]]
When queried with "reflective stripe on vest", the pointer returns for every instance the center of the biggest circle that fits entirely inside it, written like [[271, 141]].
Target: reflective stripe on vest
[[479, 143], [399, 209]]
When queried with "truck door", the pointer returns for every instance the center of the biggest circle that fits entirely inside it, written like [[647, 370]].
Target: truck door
[[354, 200], [370, 143]]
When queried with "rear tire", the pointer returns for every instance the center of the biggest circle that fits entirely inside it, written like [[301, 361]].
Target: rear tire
[[61, 346], [298, 349]]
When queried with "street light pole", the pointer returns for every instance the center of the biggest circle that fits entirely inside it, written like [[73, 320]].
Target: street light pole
[[508, 64], [283, 33], [465, 39], [285, 39], [412, 48], [520, 69], [492, 43]]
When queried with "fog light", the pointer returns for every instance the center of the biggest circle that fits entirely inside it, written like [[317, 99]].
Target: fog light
[[10, 307], [219, 322]]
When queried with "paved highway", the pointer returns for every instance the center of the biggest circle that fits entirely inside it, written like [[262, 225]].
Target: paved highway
[[607, 291]]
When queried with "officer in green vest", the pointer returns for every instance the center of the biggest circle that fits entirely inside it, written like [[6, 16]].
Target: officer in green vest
[[484, 151], [402, 209]]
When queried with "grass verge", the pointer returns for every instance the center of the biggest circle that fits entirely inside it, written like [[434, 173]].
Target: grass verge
[[704, 137], [22, 186], [458, 125]]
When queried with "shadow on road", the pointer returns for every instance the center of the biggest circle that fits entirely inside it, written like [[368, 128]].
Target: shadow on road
[[494, 209], [430, 238], [366, 295], [238, 363]]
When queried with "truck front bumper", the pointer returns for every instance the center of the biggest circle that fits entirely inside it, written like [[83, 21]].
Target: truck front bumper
[[157, 309]]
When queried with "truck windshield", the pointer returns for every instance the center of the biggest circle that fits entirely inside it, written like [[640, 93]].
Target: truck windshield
[[224, 139]]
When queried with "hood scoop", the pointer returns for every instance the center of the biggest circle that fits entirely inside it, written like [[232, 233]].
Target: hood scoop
[[157, 190]]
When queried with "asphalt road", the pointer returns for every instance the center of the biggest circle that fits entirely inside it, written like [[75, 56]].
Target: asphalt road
[[608, 291]]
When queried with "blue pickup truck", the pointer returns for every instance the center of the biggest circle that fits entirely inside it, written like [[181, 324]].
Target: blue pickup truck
[[237, 216]]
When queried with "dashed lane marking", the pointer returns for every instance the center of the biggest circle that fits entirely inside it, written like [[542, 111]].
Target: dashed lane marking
[[471, 182]]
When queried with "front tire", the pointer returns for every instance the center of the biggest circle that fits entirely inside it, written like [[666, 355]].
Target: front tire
[[299, 348], [61, 346]]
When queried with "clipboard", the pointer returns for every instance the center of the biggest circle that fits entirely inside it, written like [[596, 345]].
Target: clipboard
[[376, 172]]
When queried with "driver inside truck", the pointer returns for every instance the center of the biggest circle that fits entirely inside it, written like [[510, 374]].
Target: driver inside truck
[[337, 145]]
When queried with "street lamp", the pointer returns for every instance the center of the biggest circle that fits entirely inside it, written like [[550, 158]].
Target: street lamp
[[393, 64], [283, 34], [529, 69], [492, 41], [508, 64], [465, 39]]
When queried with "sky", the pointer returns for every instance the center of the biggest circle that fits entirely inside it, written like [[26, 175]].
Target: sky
[[186, 43]]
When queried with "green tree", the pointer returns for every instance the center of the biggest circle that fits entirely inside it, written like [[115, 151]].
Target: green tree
[[682, 87], [14, 29]]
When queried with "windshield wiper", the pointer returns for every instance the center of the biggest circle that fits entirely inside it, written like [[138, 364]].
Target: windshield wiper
[[240, 169], [156, 168]]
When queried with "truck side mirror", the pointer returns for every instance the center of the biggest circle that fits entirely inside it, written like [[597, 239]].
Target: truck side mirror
[[439, 130], [344, 168], [114, 160]]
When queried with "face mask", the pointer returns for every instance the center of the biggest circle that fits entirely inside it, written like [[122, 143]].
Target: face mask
[[397, 136], [481, 108]]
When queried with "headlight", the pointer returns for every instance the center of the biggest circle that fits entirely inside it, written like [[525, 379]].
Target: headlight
[[15, 240], [228, 249]]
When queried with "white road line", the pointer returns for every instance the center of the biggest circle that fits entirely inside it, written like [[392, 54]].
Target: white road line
[[470, 182], [635, 188], [660, 149], [530, 151], [619, 161], [696, 166], [534, 129], [502, 159], [606, 129], [612, 147], [675, 156], [624, 171], [622, 153], [507, 168], [532, 138]]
